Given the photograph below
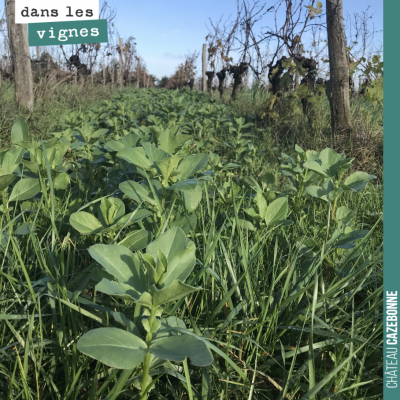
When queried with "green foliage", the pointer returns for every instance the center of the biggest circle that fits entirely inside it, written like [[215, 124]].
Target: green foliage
[[374, 73], [150, 236]]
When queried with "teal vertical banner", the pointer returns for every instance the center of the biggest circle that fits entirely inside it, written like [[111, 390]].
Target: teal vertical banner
[[68, 32], [391, 201]]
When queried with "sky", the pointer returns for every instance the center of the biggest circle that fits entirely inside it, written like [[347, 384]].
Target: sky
[[167, 30]]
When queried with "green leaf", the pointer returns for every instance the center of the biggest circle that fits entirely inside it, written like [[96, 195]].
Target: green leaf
[[136, 156], [6, 180], [246, 225], [168, 165], [351, 237], [187, 224], [85, 223], [114, 347], [192, 164], [268, 178], [168, 142], [114, 146], [137, 192], [120, 290], [316, 191], [262, 205], [358, 180], [188, 185], [178, 347], [182, 138], [132, 217], [137, 240], [112, 209], [192, 198], [174, 291], [154, 154], [314, 166], [62, 181], [180, 266], [277, 210], [19, 131], [11, 160], [329, 161], [25, 189], [25, 229], [121, 263], [180, 254], [171, 243], [130, 140], [344, 214]]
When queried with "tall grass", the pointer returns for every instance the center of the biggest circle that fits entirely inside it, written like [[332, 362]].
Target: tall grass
[[52, 100], [285, 124]]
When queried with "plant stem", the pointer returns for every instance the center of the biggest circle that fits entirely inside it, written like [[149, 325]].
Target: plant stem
[[146, 362], [334, 207], [5, 206]]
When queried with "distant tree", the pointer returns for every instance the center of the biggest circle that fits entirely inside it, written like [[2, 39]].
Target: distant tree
[[162, 82]]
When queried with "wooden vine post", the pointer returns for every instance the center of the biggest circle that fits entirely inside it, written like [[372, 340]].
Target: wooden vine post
[[38, 59], [91, 70], [297, 80], [20, 58], [204, 68], [338, 84], [138, 75], [120, 63]]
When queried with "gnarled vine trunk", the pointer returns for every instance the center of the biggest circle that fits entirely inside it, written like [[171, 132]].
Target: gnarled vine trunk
[[275, 74], [238, 72], [221, 75], [210, 77]]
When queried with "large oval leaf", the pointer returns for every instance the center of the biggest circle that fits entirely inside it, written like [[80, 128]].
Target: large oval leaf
[[85, 223], [192, 164], [177, 348], [121, 290], [277, 210], [192, 198], [171, 243], [6, 180], [19, 131], [114, 347], [186, 223], [137, 240], [136, 156], [330, 161], [25, 189], [11, 160], [175, 291], [358, 180], [137, 192], [179, 251], [121, 263]]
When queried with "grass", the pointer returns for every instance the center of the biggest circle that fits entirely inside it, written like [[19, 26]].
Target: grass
[[52, 100], [286, 125], [286, 321]]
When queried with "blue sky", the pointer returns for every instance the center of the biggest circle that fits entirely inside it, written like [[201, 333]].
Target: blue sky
[[167, 30]]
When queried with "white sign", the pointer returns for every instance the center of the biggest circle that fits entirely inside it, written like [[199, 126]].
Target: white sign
[[32, 11]]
